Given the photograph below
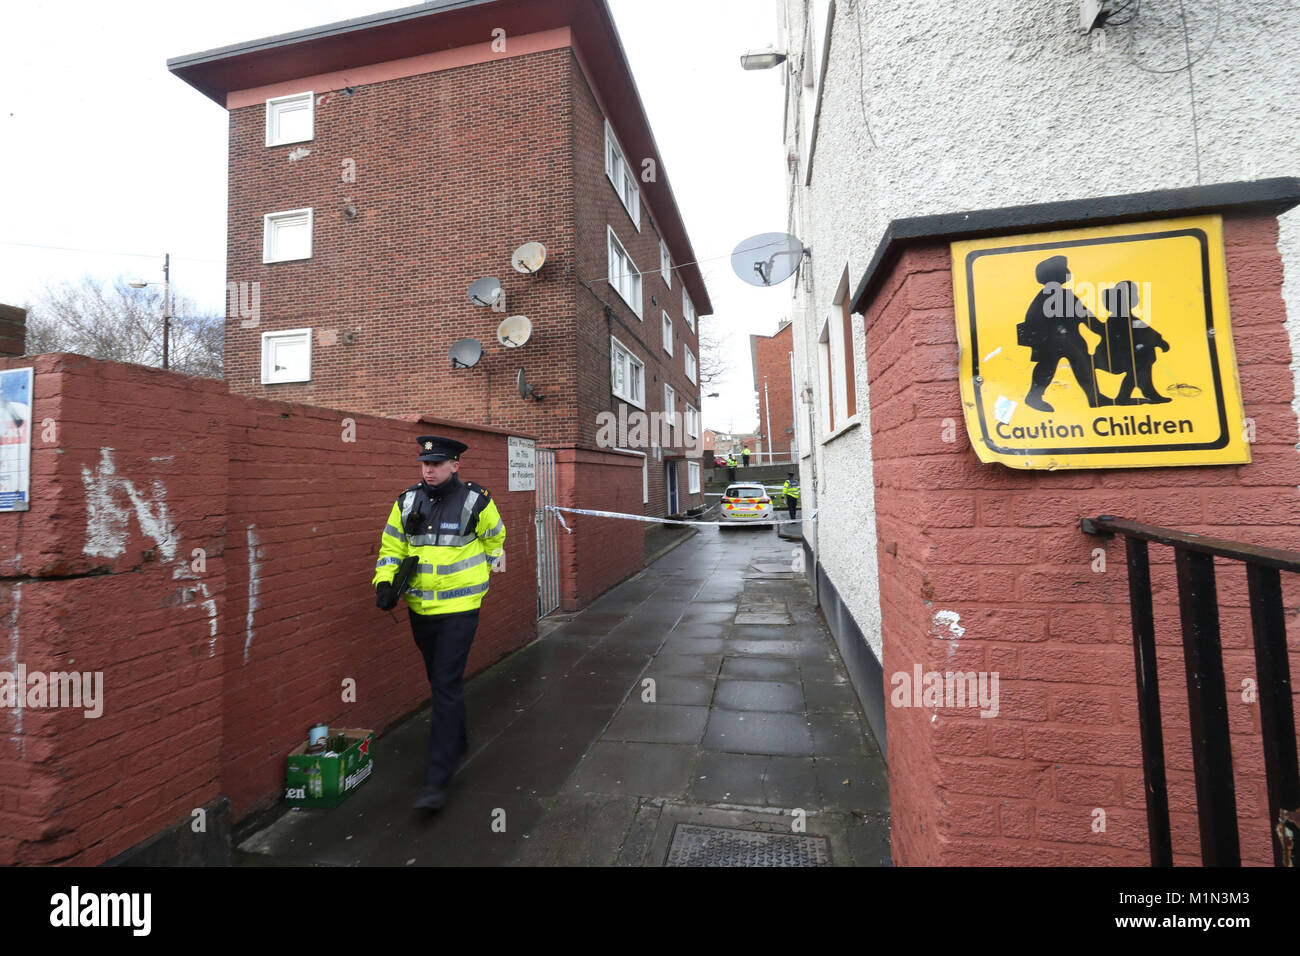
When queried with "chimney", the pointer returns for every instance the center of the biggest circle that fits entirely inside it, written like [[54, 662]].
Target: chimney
[[13, 330]]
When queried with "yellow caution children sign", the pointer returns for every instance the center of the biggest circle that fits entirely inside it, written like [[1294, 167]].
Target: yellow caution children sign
[[1107, 347]]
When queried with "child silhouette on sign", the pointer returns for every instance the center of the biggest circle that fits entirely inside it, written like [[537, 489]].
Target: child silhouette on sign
[[1129, 346]]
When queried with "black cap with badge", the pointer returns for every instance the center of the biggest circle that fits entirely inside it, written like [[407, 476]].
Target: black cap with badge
[[433, 448]]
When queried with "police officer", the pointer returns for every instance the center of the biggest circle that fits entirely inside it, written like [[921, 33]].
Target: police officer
[[744, 453], [791, 491], [731, 466], [455, 532]]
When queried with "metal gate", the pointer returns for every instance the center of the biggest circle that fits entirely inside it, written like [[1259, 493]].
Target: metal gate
[[548, 559]]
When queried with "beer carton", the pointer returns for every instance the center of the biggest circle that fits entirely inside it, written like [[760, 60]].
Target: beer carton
[[326, 779]]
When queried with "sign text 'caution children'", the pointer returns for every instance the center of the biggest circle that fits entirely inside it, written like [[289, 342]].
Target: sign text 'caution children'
[[1107, 347]]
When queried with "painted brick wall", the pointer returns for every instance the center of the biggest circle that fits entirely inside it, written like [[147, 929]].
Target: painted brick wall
[[1002, 550], [600, 552], [163, 509]]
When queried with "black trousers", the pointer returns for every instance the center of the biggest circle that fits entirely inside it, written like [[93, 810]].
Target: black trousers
[[444, 640], [791, 504]]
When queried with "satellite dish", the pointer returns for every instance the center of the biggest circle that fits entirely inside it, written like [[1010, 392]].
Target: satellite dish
[[515, 331], [466, 353], [526, 390], [529, 257], [485, 291], [768, 258]]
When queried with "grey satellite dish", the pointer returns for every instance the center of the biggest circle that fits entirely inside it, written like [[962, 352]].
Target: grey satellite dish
[[515, 331], [529, 257], [466, 353], [767, 259], [485, 291], [526, 390]]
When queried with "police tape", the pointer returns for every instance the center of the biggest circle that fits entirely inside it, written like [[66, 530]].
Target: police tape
[[652, 520]]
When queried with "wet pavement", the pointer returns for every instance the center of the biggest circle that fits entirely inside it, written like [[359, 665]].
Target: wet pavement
[[704, 691]]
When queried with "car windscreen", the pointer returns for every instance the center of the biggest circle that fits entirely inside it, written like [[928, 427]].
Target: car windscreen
[[745, 491]]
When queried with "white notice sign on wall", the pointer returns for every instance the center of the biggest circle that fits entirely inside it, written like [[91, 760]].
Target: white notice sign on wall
[[523, 464]]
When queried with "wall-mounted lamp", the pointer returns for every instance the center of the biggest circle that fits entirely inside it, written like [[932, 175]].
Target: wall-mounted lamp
[[762, 60]]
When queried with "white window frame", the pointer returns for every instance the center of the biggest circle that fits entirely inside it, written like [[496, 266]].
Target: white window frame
[[668, 333], [688, 310], [269, 374], [617, 349], [692, 421], [632, 295], [825, 378], [276, 104], [665, 264], [621, 177], [273, 219], [670, 409], [692, 366], [692, 477]]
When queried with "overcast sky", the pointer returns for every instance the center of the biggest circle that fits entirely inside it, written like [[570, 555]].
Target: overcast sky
[[110, 158]]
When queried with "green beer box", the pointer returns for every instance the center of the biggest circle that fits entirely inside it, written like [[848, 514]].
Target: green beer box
[[317, 780]]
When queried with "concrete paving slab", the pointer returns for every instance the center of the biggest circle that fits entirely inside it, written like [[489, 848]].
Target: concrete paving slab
[[658, 723], [759, 695], [758, 732], [578, 830], [760, 668], [635, 769]]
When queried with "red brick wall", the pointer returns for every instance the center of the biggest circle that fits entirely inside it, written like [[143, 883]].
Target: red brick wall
[[454, 170], [599, 552], [598, 207], [133, 469], [1003, 549], [772, 365]]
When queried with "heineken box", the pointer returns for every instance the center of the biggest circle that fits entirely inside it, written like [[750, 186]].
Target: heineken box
[[326, 779]]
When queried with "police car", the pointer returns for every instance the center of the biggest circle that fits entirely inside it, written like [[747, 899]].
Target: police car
[[745, 503]]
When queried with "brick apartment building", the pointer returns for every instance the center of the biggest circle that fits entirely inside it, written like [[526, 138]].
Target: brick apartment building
[[773, 364], [380, 165]]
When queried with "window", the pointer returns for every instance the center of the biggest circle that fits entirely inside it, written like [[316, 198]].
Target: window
[[846, 404], [626, 374], [665, 264], [693, 477], [816, 44], [286, 356], [290, 119], [668, 334], [826, 379], [670, 411], [691, 368], [623, 275], [620, 174], [286, 235], [688, 311], [692, 421]]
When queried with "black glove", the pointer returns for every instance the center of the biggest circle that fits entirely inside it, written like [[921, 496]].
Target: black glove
[[385, 599]]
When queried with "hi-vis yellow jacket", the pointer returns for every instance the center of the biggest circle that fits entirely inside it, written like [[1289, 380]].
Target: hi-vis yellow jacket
[[457, 535]]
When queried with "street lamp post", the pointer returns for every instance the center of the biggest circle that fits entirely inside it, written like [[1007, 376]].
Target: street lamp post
[[167, 301]]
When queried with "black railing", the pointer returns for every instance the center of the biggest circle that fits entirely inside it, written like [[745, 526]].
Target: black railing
[[1216, 803]]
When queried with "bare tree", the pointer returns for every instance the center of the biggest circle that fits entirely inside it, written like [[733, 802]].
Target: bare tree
[[713, 357], [113, 321]]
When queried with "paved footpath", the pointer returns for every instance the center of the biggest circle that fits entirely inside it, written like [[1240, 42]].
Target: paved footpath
[[704, 692]]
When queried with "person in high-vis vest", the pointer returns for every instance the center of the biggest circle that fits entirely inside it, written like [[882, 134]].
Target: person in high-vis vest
[[455, 534], [791, 491], [731, 466]]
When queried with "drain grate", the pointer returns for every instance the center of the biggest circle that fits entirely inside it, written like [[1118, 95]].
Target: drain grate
[[695, 845]]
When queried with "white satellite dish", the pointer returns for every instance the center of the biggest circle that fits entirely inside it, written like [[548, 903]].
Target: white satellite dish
[[466, 353], [526, 390], [486, 291], [768, 258], [515, 331], [529, 257]]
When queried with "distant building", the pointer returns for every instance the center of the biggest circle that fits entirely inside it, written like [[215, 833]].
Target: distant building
[[773, 364]]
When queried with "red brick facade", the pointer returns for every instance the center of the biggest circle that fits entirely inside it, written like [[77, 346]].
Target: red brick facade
[[772, 384], [454, 170], [1003, 550]]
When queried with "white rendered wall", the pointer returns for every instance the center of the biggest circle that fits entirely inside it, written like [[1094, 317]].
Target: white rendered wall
[[934, 106]]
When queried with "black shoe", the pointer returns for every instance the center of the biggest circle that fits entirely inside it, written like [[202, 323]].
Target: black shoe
[[1036, 401], [431, 798]]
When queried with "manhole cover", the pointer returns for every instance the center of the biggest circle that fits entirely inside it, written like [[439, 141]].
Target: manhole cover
[[695, 845]]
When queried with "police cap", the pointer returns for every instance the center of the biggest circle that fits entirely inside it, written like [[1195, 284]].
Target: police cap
[[433, 448]]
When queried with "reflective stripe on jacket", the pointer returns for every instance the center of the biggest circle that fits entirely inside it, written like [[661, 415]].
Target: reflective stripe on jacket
[[790, 491], [456, 548]]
